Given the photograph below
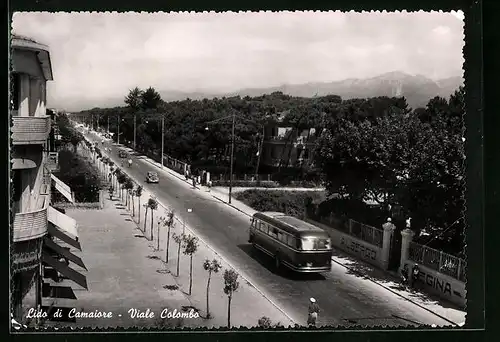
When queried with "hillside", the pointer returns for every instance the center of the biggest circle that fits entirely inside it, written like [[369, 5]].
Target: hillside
[[417, 89]]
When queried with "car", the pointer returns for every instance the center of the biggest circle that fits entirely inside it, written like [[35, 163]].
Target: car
[[122, 154], [152, 177]]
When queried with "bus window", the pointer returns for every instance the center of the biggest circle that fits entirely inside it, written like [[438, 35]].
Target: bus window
[[292, 241], [273, 232], [281, 237], [313, 243]]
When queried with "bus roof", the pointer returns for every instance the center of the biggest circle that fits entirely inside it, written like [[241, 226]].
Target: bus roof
[[289, 223]]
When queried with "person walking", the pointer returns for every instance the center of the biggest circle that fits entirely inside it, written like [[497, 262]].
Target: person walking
[[313, 312]]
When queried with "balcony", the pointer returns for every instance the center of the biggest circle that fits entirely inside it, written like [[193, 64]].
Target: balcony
[[33, 223], [30, 130]]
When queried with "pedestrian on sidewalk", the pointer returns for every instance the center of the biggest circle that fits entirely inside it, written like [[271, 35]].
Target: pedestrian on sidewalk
[[313, 312]]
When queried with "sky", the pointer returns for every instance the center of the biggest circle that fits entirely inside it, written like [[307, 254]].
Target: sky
[[98, 57]]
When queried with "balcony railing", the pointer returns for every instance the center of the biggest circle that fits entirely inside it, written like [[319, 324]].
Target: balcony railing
[[30, 130], [33, 223]]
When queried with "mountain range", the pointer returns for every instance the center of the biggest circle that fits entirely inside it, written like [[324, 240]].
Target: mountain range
[[417, 89]]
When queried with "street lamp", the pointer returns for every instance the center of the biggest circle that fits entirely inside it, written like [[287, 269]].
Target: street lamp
[[162, 136]]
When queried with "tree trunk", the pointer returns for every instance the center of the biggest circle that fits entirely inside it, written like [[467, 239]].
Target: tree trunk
[[145, 219], [208, 290], [152, 224], [139, 209], [168, 243], [178, 257], [229, 312], [190, 273], [158, 236]]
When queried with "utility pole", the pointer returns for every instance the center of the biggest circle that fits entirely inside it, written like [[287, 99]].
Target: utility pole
[[135, 132], [259, 152], [108, 124], [232, 157], [92, 122], [162, 137]]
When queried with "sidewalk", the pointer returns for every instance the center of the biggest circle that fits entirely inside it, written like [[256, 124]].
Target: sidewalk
[[248, 304]]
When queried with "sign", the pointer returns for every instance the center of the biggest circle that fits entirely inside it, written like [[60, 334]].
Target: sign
[[358, 248], [438, 284]]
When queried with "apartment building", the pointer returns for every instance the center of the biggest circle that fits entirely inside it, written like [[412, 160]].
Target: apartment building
[[290, 146], [42, 237]]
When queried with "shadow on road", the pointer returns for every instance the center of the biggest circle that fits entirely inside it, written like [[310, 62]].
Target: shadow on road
[[267, 262]]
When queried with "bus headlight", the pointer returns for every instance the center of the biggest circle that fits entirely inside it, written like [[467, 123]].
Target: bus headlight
[[309, 264]]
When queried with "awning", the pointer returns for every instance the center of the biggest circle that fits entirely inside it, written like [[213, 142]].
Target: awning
[[64, 189], [48, 243], [67, 224], [51, 291], [22, 163], [67, 271], [63, 227]]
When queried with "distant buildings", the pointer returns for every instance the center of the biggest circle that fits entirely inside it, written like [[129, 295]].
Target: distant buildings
[[39, 230]]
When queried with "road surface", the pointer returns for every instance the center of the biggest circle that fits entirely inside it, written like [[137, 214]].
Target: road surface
[[344, 299]]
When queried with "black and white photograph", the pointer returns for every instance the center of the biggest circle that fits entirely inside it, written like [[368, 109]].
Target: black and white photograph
[[287, 169]]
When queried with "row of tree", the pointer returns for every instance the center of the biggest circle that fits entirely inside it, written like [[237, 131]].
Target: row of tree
[[127, 190], [376, 148]]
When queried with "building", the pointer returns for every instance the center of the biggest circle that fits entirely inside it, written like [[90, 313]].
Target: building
[[287, 145], [40, 234]]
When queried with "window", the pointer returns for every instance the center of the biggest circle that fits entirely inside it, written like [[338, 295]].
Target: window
[[282, 237], [292, 241], [15, 90], [313, 243], [273, 232]]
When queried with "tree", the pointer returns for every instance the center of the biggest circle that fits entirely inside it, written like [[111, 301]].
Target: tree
[[264, 322], [134, 99], [231, 285], [190, 245], [129, 185], [151, 99], [168, 222], [152, 205], [146, 206], [178, 240], [211, 267], [138, 193]]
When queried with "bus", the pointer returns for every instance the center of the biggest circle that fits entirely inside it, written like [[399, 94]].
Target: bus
[[293, 243]]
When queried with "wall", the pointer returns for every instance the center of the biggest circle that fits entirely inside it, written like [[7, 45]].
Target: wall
[[32, 90], [445, 287], [355, 247]]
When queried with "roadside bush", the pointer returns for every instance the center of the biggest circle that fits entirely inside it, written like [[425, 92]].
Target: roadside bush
[[81, 176], [290, 202]]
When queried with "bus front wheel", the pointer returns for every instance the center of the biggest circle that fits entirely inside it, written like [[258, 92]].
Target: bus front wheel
[[277, 262]]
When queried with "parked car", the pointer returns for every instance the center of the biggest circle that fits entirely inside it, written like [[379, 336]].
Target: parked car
[[152, 177], [122, 154]]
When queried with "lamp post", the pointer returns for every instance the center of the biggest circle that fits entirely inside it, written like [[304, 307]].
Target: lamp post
[[259, 152], [232, 160], [118, 133], [135, 131], [162, 137]]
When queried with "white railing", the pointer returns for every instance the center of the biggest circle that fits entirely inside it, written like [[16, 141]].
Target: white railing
[[438, 260], [30, 129], [33, 223], [372, 235]]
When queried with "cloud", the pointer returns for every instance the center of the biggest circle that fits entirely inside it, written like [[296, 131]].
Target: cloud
[[98, 56]]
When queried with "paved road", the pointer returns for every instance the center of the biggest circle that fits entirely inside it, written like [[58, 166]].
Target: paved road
[[344, 299]]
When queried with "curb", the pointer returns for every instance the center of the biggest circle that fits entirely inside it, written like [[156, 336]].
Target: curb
[[259, 291]]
